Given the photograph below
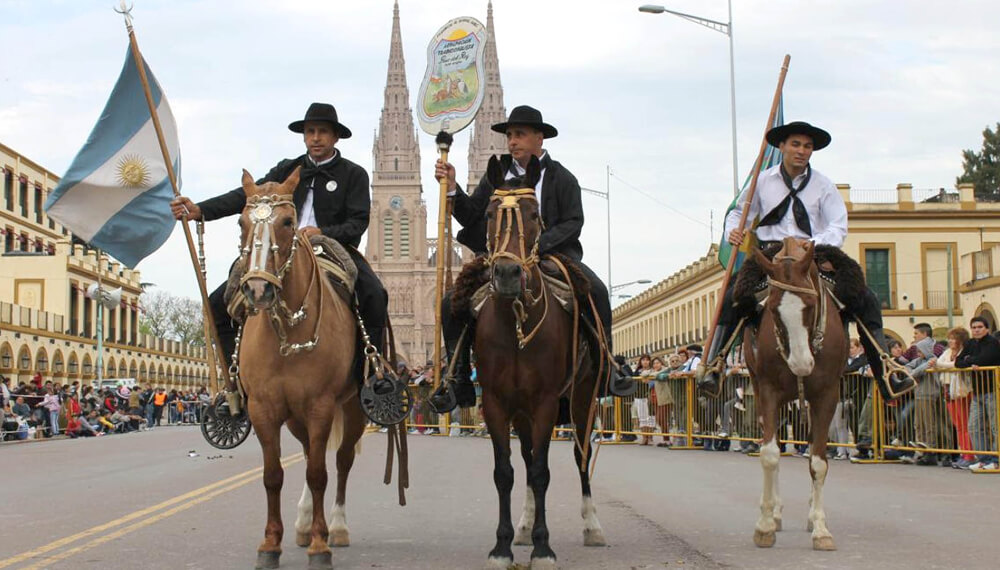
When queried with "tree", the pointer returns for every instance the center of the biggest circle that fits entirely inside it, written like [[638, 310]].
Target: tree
[[175, 318], [982, 168]]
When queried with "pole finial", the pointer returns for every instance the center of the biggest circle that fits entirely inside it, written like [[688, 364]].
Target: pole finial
[[126, 11]]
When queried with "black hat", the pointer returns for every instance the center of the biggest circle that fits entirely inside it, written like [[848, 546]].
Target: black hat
[[820, 138], [321, 112], [529, 117]]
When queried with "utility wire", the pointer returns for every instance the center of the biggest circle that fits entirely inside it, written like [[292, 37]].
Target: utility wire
[[657, 200]]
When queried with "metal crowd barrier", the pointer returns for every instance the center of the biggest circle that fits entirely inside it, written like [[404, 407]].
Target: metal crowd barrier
[[951, 412]]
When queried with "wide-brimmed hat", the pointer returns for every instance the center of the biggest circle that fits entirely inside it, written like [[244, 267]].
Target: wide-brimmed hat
[[820, 138], [321, 112], [528, 117]]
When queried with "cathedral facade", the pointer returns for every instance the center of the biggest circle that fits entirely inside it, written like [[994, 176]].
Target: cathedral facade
[[398, 247]]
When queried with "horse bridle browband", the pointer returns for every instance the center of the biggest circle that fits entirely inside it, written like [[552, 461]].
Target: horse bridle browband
[[262, 244], [509, 211], [819, 317]]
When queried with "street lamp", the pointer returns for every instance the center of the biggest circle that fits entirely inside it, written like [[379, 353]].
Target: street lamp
[[623, 285], [723, 28], [606, 194]]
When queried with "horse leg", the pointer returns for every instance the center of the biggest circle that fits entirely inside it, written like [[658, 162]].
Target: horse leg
[[764, 532], [269, 435], [498, 423], [522, 536], [353, 425], [542, 556], [303, 517], [821, 413], [593, 534], [319, 553]]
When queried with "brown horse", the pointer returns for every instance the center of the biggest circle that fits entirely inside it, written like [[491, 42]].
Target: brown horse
[[295, 356], [525, 361], [800, 351]]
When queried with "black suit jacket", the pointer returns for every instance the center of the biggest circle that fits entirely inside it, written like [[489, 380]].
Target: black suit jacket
[[561, 209], [341, 214]]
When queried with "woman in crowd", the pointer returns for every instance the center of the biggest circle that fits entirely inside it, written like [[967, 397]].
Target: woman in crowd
[[664, 399], [640, 405], [52, 405], [958, 394]]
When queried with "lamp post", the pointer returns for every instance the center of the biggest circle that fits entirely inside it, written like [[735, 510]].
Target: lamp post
[[723, 28], [606, 194], [623, 285]]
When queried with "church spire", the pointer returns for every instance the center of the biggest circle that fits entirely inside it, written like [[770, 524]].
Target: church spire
[[396, 149], [485, 143]]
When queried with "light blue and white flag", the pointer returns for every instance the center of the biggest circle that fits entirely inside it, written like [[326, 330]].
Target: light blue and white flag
[[116, 194]]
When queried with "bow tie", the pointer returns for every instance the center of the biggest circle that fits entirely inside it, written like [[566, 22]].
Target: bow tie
[[792, 199], [310, 169]]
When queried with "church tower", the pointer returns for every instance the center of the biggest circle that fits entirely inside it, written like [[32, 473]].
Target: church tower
[[397, 230], [484, 143]]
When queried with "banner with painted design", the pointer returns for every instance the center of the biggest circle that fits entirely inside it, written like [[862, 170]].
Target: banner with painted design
[[453, 85], [772, 157], [116, 194]]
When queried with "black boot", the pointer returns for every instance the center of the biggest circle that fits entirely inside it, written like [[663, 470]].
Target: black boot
[[712, 370], [456, 390], [891, 385], [620, 384]]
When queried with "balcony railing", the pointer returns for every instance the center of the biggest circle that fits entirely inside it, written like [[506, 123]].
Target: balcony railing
[[939, 299]]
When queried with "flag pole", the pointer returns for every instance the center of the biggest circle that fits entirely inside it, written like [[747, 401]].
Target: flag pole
[[746, 208], [211, 335], [443, 140]]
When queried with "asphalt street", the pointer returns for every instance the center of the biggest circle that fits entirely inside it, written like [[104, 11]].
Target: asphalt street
[[140, 501]]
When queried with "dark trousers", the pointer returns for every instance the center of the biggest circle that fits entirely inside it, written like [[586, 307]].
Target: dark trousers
[[373, 304]]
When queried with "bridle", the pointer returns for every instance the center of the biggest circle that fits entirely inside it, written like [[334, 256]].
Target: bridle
[[508, 212], [819, 316], [262, 244]]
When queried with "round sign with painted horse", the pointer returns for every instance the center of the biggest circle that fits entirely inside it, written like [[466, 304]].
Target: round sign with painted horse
[[452, 89]]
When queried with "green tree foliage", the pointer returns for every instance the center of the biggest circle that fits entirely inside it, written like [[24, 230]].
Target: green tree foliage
[[982, 168]]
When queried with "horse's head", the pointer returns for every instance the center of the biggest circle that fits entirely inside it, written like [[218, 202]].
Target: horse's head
[[268, 238], [513, 226], [793, 301]]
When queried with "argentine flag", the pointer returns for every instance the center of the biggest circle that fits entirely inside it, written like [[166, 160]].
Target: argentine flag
[[116, 194]]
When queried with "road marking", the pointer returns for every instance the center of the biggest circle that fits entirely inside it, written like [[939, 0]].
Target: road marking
[[197, 496]]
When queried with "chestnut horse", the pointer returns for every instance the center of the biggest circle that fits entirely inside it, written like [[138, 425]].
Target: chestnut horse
[[525, 362], [295, 359], [799, 351]]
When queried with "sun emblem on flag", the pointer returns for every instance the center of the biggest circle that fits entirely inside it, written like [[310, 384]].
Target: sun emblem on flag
[[132, 171]]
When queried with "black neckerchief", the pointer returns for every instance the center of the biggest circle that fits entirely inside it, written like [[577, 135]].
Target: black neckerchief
[[798, 208], [310, 169]]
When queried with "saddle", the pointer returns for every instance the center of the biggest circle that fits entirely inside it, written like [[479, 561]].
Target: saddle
[[334, 260]]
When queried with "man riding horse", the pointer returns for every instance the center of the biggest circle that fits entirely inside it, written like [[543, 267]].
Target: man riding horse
[[562, 214], [332, 199], [794, 200]]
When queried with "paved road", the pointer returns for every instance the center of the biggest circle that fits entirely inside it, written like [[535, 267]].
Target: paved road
[[139, 501]]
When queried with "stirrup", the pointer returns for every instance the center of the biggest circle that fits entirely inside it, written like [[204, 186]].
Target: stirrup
[[710, 377], [443, 400], [891, 369]]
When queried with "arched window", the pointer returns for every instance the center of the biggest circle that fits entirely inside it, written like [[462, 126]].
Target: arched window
[[387, 236], [24, 361], [404, 236], [41, 361]]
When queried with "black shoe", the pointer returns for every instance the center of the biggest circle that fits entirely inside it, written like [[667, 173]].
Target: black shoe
[[927, 459], [620, 384], [459, 393], [895, 386], [709, 384]]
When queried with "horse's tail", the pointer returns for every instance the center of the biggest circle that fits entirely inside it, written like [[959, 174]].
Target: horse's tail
[[337, 433]]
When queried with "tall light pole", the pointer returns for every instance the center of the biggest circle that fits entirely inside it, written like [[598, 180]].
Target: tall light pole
[[723, 28], [607, 196]]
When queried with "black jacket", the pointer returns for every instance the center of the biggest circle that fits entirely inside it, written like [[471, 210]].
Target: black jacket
[[561, 209], [341, 214], [981, 352]]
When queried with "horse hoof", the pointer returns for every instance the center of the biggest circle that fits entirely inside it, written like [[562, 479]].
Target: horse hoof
[[824, 543], [763, 539], [340, 538], [523, 537], [543, 563], [321, 561], [267, 560], [499, 563], [303, 539], [777, 525], [594, 537]]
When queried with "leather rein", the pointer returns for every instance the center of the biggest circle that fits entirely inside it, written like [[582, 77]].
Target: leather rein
[[262, 244], [819, 316], [509, 212]]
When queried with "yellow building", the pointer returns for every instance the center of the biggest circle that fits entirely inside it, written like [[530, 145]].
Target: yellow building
[[902, 238], [47, 324]]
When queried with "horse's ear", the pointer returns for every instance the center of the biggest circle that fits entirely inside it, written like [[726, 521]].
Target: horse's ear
[[495, 172], [292, 182], [808, 253], [248, 184], [533, 173], [760, 259]]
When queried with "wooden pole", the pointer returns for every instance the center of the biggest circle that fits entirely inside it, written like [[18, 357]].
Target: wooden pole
[[746, 208], [443, 141], [211, 335]]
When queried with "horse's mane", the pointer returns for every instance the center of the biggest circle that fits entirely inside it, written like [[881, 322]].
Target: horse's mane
[[474, 275]]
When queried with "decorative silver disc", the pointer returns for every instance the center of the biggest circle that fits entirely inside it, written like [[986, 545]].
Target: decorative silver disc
[[331, 186], [261, 213]]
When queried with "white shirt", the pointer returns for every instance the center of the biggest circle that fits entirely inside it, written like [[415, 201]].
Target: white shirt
[[826, 209], [520, 172], [308, 214]]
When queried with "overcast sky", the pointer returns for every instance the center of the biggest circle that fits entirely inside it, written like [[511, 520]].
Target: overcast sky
[[903, 86]]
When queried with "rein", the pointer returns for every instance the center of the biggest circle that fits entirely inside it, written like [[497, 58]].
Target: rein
[[509, 212], [262, 245]]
